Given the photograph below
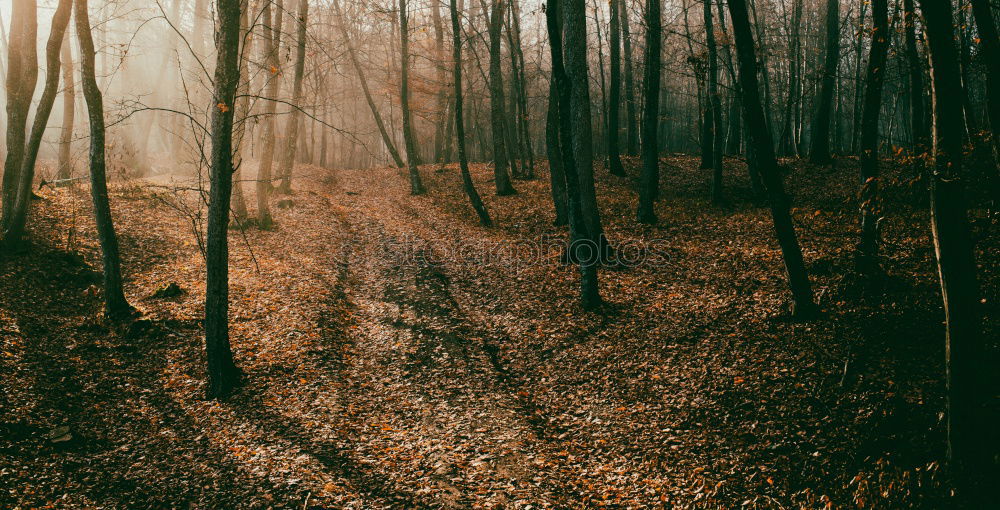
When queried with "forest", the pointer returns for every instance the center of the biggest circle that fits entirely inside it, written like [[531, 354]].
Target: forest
[[510, 254]]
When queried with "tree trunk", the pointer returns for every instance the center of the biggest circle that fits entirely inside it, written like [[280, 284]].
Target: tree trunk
[[969, 436], [557, 172], [866, 259], [272, 47], [223, 375], [614, 101], [501, 155], [649, 183], [577, 68], [819, 152], [242, 117], [14, 229], [463, 163], [583, 248], [632, 127], [715, 104], [115, 304], [763, 153], [69, 113], [22, 76], [412, 158], [990, 44], [292, 135], [918, 116]]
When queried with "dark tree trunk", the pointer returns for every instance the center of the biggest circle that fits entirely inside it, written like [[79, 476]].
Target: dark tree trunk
[[819, 152], [441, 108], [223, 376], [918, 117], [715, 104], [19, 216], [292, 135], [22, 76], [69, 113], [767, 165], [115, 304], [557, 172], [969, 435], [990, 44], [787, 145], [649, 182], [463, 162], [272, 42], [632, 125], [501, 155], [866, 257], [583, 249], [614, 100], [412, 158], [386, 139]]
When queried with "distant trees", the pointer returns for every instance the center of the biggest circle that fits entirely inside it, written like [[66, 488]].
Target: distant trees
[[501, 159], [287, 160], [819, 152]]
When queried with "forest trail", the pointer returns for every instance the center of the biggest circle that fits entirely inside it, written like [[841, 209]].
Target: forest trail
[[387, 368]]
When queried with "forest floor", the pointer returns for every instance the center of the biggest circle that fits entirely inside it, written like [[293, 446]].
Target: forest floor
[[397, 355]]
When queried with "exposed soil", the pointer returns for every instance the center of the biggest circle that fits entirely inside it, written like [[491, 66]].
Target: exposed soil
[[397, 355]]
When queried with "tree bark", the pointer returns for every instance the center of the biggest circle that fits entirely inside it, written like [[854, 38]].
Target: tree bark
[[557, 172], [115, 304], [767, 164], [69, 113], [412, 158], [819, 152], [614, 101], [715, 104], [14, 229], [223, 375], [292, 135], [866, 259], [22, 76], [272, 47], [501, 155], [583, 249], [649, 183], [969, 436], [463, 162]]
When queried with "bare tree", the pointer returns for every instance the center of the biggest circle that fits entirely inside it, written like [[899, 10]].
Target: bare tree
[[412, 157]]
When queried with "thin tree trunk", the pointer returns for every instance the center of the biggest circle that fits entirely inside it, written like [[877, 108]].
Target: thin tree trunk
[[614, 102], [819, 152], [649, 183], [867, 252], [918, 116], [412, 158], [557, 172], [292, 135], [501, 156], [242, 117], [14, 229], [69, 113], [115, 304], [715, 104], [463, 163], [990, 44], [763, 153], [223, 375], [632, 127], [272, 45]]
